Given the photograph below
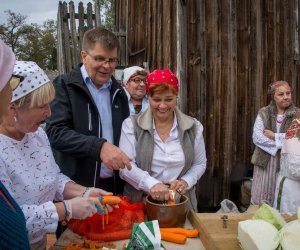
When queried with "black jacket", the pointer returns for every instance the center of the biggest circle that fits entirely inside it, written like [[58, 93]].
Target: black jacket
[[74, 128]]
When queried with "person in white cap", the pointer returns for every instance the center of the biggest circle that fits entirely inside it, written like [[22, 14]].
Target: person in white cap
[[13, 233], [28, 169], [134, 82]]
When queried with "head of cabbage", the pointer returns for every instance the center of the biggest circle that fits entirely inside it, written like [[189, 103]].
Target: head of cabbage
[[271, 215]]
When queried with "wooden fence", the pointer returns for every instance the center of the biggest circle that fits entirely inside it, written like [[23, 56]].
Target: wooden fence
[[225, 54], [70, 29]]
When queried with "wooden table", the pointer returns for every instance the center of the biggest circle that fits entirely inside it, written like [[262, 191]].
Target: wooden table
[[212, 233], [69, 237]]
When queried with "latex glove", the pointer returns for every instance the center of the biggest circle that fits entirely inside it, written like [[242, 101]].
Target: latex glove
[[160, 192], [95, 192], [81, 208]]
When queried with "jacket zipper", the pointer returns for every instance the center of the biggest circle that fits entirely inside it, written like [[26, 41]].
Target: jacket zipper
[[90, 118]]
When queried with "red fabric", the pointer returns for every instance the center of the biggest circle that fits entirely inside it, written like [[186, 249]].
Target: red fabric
[[5, 198], [119, 220], [162, 75]]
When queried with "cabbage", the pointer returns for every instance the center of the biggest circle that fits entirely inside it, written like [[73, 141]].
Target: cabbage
[[290, 235], [257, 235], [271, 215]]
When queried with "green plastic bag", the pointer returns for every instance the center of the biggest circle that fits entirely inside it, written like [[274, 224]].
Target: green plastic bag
[[145, 235]]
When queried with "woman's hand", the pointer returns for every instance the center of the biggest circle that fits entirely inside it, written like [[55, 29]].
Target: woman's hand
[[81, 208], [160, 192], [269, 133], [180, 185]]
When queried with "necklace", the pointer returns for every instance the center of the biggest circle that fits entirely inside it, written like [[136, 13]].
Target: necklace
[[279, 118]]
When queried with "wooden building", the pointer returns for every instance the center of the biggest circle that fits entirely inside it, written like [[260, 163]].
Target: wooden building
[[225, 54]]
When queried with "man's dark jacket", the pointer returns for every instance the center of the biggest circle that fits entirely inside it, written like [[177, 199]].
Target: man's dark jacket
[[74, 128]]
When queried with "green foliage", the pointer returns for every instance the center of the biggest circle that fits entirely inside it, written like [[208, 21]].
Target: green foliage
[[107, 13], [38, 42], [31, 42]]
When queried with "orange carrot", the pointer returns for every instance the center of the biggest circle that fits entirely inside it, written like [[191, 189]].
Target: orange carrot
[[172, 237], [111, 199], [117, 235], [172, 193], [190, 233]]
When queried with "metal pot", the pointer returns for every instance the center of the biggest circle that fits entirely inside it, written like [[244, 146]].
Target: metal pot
[[167, 215]]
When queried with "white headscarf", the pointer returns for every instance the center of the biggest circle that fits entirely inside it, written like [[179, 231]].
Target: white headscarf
[[34, 77]]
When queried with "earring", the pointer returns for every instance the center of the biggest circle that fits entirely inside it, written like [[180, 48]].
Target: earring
[[15, 118]]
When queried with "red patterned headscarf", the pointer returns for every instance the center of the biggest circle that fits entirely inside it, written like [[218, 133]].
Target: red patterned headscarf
[[162, 76]]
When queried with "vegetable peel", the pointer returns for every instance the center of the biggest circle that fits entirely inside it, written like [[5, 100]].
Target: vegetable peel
[[271, 215]]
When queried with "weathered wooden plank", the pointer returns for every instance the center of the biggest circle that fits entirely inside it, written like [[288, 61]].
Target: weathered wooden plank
[[66, 38], [89, 13], [97, 13], [60, 43], [81, 28], [243, 126], [181, 55], [75, 53]]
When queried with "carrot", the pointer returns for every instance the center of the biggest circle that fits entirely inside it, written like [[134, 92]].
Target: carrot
[[117, 235], [111, 199], [172, 237], [172, 193], [190, 233]]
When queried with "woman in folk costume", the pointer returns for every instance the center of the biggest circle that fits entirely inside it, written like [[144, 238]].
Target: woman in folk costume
[[287, 195], [269, 130]]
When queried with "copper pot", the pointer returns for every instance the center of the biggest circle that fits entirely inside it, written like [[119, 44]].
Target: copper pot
[[167, 215]]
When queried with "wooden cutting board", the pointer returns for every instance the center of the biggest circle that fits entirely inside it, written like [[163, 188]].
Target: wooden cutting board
[[214, 236]]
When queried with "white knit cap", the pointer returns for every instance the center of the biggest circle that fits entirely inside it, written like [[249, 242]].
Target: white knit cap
[[7, 61], [34, 77], [129, 72]]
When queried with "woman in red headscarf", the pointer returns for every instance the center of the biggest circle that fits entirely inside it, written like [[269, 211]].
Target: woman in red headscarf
[[167, 146]]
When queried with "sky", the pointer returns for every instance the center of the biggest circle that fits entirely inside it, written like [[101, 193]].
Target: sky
[[37, 11]]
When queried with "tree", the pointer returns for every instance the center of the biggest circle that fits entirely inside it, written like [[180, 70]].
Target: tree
[[31, 42], [107, 13], [13, 31]]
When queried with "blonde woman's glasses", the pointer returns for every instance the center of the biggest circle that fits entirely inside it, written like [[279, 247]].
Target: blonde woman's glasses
[[15, 81]]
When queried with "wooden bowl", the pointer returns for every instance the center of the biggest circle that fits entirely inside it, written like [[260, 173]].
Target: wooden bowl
[[167, 215]]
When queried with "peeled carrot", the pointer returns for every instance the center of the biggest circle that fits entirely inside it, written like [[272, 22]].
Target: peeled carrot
[[172, 193], [116, 235], [172, 237], [190, 233], [111, 199]]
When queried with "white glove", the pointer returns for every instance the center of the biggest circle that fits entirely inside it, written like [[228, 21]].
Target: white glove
[[81, 208], [94, 192]]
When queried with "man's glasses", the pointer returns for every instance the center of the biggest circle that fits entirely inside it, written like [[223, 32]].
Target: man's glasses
[[15, 81], [139, 80], [103, 60]]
